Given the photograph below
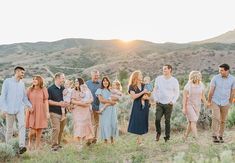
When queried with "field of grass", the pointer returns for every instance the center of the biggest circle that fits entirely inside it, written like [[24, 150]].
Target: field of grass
[[126, 150]]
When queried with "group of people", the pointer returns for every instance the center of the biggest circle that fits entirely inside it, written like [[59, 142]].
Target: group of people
[[93, 105]]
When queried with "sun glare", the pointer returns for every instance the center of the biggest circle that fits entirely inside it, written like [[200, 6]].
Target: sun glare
[[126, 40]]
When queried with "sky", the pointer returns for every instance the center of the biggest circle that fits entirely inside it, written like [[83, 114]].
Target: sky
[[157, 21]]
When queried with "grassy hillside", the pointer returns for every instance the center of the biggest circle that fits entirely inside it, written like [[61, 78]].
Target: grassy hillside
[[126, 150]]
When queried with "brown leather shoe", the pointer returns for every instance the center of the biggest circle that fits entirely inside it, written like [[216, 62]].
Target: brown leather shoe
[[94, 141], [158, 136]]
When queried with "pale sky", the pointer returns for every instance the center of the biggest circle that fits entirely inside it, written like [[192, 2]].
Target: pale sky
[[158, 21]]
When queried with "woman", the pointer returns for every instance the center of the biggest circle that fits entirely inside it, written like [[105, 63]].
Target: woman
[[82, 125], [192, 96], [138, 123], [108, 118], [37, 118]]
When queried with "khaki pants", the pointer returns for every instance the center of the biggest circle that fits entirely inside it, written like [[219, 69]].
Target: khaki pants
[[10, 119], [95, 122], [219, 116], [57, 128]]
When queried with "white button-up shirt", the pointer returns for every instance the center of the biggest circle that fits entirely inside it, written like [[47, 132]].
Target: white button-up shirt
[[166, 90]]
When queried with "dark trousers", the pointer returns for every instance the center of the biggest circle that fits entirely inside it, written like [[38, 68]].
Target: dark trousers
[[166, 110]]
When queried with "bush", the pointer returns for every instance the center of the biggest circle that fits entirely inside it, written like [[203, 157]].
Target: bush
[[226, 157], [178, 120], [69, 124], [179, 158], [231, 117], [2, 128], [205, 119], [6, 152], [14, 143]]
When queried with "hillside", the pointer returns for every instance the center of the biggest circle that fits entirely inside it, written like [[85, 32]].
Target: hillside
[[78, 56], [226, 38]]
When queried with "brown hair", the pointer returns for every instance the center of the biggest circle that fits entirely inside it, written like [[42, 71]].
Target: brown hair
[[169, 67], [80, 81], [102, 85], [40, 82]]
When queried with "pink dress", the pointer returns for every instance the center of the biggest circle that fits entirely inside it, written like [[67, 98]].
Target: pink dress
[[193, 103], [38, 118], [82, 124]]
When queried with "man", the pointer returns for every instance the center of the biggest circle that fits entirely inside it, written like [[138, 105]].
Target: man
[[55, 103], [166, 92], [93, 85], [220, 98], [14, 100]]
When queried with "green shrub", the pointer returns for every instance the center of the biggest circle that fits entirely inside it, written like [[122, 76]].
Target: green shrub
[[14, 144], [179, 158], [69, 124], [231, 117], [138, 158], [6, 152], [226, 157], [2, 128], [178, 120]]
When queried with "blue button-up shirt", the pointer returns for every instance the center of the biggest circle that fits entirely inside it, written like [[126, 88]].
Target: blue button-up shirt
[[223, 88], [93, 86], [13, 97]]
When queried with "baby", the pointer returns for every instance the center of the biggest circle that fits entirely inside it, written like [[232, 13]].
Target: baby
[[149, 88], [85, 94], [116, 94], [67, 93]]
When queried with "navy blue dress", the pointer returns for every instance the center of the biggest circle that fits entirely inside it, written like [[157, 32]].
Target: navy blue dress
[[138, 123]]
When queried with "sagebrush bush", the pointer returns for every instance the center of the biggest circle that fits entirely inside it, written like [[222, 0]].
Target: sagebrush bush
[[14, 143], [178, 120], [226, 157], [6, 152], [231, 117], [2, 128], [205, 118], [179, 158], [69, 124]]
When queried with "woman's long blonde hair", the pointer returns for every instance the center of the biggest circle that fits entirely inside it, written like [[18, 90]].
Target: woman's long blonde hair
[[195, 76], [134, 78]]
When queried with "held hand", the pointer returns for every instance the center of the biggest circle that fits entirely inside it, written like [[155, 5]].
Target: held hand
[[145, 91], [48, 115], [184, 111], [63, 104], [67, 104], [30, 110], [4, 114], [208, 104], [113, 103], [89, 102]]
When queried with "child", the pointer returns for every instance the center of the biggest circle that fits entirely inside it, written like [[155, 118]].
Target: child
[[85, 94], [67, 92], [116, 94], [149, 87]]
